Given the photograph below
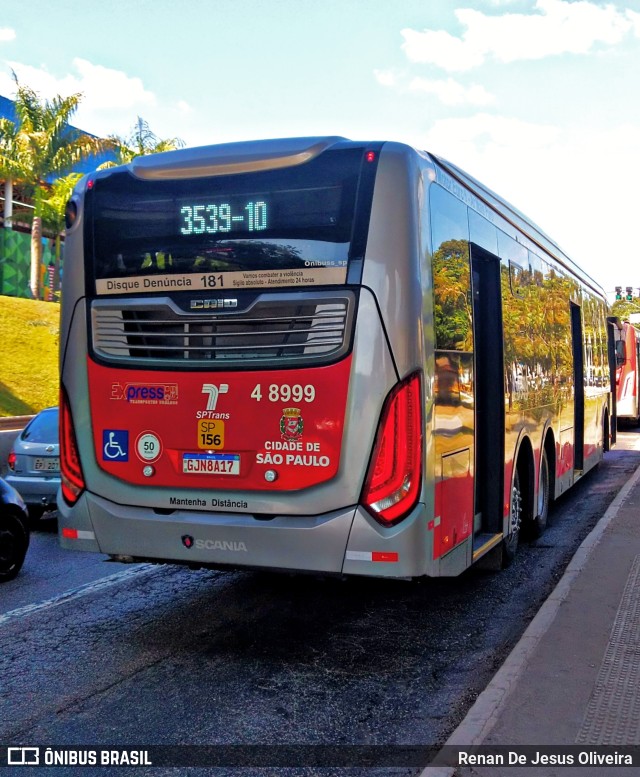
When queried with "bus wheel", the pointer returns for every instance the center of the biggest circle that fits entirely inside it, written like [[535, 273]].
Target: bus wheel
[[539, 523], [510, 542]]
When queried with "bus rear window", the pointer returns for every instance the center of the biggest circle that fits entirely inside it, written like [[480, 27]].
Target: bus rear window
[[291, 226]]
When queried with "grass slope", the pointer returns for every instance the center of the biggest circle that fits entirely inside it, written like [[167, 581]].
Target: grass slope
[[28, 355]]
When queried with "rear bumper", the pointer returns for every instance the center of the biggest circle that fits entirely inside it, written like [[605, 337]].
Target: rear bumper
[[35, 490], [346, 541]]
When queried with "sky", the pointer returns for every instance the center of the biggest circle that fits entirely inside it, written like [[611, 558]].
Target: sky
[[538, 99]]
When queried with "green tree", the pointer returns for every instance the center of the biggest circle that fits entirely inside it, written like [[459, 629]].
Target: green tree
[[140, 142], [622, 309], [52, 205], [39, 145], [452, 296], [10, 164]]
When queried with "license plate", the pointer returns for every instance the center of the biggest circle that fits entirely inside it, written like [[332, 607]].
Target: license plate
[[50, 464], [211, 463]]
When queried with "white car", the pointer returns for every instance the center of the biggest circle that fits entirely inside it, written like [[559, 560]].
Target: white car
[[34, 463]]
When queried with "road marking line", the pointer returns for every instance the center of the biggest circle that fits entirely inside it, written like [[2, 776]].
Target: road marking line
[[77, 593]]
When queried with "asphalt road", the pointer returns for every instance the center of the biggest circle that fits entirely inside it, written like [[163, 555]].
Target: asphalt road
[[162, 655]]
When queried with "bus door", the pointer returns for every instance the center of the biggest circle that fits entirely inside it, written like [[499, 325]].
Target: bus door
[[489, 395], [578, 383]]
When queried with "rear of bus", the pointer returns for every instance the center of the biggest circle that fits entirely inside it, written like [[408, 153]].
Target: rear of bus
[[242, 360], [627, 343]]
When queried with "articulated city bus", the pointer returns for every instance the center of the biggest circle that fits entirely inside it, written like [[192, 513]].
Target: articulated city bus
[[319, 355], [627, 347]]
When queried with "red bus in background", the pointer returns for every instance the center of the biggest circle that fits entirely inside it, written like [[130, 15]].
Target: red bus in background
[[627, 341]]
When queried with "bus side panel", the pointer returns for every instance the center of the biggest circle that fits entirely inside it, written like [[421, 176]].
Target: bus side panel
[[392, 266]]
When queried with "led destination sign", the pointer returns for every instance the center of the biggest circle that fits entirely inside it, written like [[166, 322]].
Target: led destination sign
[[282, 227], [223, 217]]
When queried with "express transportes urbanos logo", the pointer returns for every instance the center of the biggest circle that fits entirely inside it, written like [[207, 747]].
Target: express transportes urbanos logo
[[146, 393]]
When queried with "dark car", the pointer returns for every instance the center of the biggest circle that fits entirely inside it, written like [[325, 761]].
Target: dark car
[[34, 463], [14, 531]]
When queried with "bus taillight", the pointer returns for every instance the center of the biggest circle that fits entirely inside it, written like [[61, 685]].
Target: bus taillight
[[71, 471], [393, 481]]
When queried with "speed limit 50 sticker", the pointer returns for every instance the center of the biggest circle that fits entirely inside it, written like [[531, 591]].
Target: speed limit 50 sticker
[[148, 446]]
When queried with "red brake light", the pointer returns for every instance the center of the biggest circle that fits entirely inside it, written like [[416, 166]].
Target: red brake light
[[370, 156], [392, 486], [71, 471], [11, 461]]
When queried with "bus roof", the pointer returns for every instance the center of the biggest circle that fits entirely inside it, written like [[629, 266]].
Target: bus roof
[[231, 158]]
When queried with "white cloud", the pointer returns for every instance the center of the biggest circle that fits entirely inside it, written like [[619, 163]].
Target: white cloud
[[111, 99], [488, 134], [451, 92], [447, 91], [386, 77], [7, 34], [558, 27], [437, 47], [106, 88], [634, 19]]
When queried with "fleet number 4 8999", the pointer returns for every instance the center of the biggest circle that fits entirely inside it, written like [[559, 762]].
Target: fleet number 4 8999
[[285, 393]]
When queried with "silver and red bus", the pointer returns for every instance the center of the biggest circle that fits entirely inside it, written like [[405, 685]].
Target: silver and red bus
[[627, 348], [321, 355]]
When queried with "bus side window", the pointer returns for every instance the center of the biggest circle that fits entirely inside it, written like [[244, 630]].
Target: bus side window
[[451, 272], [483, 233]]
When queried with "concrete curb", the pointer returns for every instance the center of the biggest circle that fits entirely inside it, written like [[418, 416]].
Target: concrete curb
[[484, 714]]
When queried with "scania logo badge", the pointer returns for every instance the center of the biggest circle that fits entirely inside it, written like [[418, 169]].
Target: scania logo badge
[[213, 304], [187, 540]]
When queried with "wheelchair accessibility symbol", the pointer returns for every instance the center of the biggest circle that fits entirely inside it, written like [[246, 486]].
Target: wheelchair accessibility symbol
[[115, 445]]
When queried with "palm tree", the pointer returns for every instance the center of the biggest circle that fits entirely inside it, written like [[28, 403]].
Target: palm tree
[[140, 142], [41, 144], [52, 205], [10, 168]]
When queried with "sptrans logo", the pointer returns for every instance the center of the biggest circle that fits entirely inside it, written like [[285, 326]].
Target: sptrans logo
[[213, 392], [146, 393]]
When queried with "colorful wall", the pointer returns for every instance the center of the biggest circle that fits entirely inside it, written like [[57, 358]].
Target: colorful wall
[[15, 262]]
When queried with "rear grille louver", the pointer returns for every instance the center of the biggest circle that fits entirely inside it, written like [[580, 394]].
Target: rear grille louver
[[275, 329]]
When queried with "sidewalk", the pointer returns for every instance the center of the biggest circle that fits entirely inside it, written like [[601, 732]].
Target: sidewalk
[[574, 676]]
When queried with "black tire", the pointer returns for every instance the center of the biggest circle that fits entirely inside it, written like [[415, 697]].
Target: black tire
[[510, 542], [14, 542], [539, 523]]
